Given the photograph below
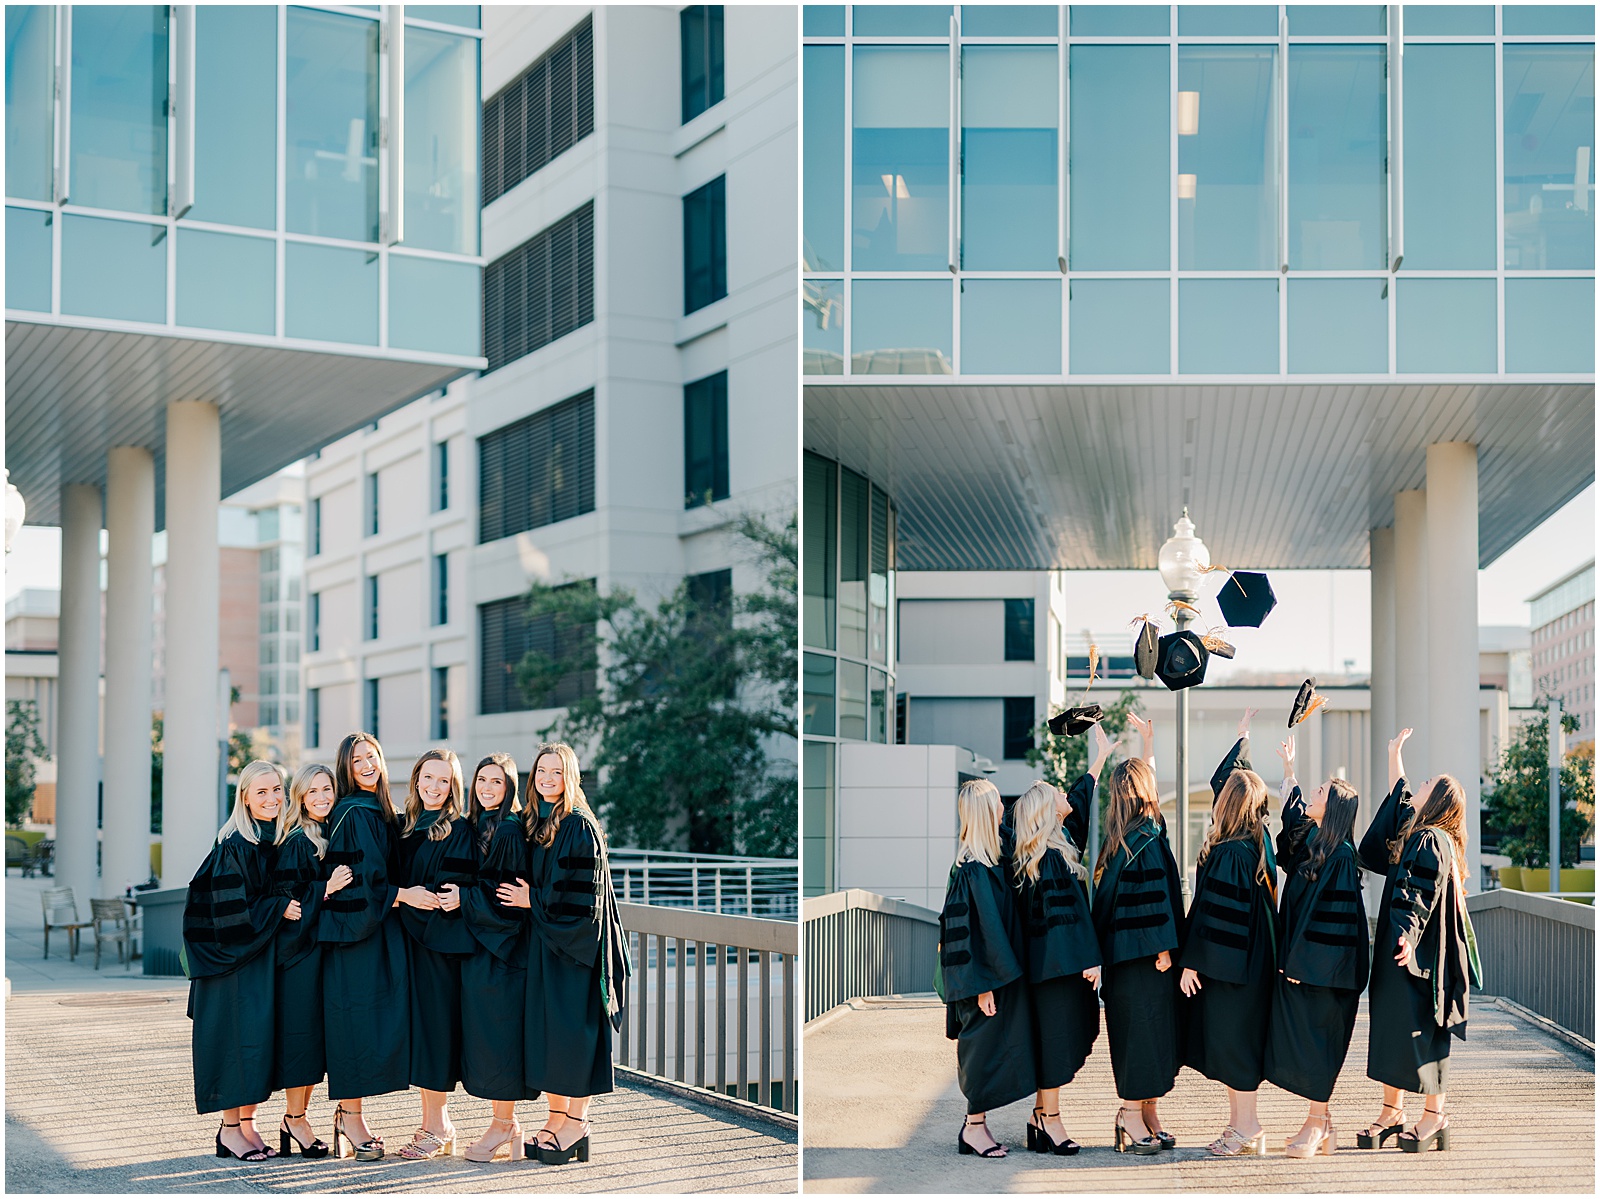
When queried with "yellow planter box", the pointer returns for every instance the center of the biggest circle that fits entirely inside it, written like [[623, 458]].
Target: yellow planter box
[[1573, 878]]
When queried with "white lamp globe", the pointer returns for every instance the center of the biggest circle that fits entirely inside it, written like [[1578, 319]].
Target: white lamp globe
[[1183, 559]]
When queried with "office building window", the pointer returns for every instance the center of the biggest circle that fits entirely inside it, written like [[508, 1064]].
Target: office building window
[[316, 526], [540, 114], [705, 440], [700, 26], [1019, 630], [711, 593], [505, 636], [372, 607], [705, 245], [441, 475], [542, 290], [441, 589], [269, 652], [370, 716], [537, 470], [313, 718], [269, 620], [268, 714], [314, 619], [1017, 734], [441, 702], [372, 504]]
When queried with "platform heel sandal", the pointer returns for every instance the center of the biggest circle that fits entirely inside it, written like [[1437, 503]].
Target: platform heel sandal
[[478, 1151], [363, 1151], [557, 1156], [1168, 1141], [1123, 1141], [1375, 1134], [288, 1142], [1439, 1138]]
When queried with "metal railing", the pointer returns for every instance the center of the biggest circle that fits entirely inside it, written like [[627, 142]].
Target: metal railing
[[768, 888], [695, 1014], [1539, 952], [860, 944]]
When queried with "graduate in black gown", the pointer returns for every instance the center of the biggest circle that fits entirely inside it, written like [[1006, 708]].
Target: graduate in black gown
[[988, 1013], [494, 980], [1138, 916], [1424, 956], [1229, 958], [437, 854], [1062, 952], [366, 999], [577, 955], [230, 925], [1322, 950], [299, 1057]]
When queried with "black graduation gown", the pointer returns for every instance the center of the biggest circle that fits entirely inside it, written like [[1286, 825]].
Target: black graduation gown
[[494, 979], [1414, 1009], [1322, 961], [1061, 945], [439, 942], [366, 993], [980, 949], [230, 924], [1138, 912], [577, 962], [299, 1056]]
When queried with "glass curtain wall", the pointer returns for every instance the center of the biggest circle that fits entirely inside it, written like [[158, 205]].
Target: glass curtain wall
[[1199, 190], [277, 236]]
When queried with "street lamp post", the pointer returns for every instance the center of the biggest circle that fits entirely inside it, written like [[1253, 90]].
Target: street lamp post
[[1182, 561]]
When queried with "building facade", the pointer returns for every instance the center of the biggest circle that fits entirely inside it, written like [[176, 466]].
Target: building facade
[[1562, 616]]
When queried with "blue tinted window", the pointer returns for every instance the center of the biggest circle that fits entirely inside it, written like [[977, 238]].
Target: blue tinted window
[[333, 125], [1448, 19], [1445, 326], [1009, 118], [1338, 326], [30, 93], [1227, 158], [1449, 157], [441, 150], [464, 15], [1121, 20], [236, 115], [1228, 326], [1547, 18], [1228, 20], [853, 700], [113, 268], [822, 174], [900, 201], [1120, 153], [28, 258], [434, 305], [1120, 327], [823, 20], [119, 107], [1338, 192], [1009, 20], [900, 327], [902, 20], [817, 708], [331, 294], [1011, 327], [1549, 325], [227, 282], [822, 313], [1549, 157], [1325, 20]]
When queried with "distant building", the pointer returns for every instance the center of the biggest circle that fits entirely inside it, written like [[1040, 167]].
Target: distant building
[[1562, 619]]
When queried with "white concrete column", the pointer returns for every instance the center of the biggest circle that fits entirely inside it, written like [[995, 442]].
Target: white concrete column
[[130, 524], [1380, 551], [1453, 627], [1411, 619], [78, 697], [193, 594]]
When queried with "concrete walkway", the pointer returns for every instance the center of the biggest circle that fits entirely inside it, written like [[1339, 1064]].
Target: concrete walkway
[[881, 1113]]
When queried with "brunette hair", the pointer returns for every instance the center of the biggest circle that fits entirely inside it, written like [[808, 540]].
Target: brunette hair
[[452, 804], [508, 768], [239, 820], [1446, 810], [344, 778], [1240, 816], [299, 817], [1132, 797], [1038, 830], [1338, 821], [979, 807], [543, 831]]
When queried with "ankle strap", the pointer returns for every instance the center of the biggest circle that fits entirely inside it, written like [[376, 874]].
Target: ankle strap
[[300, 1115], [235, 1124], [980, 1122]]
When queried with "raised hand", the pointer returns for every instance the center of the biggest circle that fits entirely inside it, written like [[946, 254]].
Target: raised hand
[[1099, 749], [1145, 728], [1244, 721], [1286, 752], [1399, 741]]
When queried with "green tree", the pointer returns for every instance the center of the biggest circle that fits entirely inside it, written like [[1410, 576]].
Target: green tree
[[24, 748], [687, 699], [1517, 805]]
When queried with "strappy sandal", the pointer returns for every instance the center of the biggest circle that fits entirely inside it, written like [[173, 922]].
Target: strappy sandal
[[253, 1155], [288, 1142], [1375, 1134], [369, 1150], [965, 1149], [1439, 1138], [269, 1151], [1168, 1141], [425, 1146], [1233, 1143], [1321, 1140], [555, 1155], [1123, 1141], [483, 1150], [1047, 1143]]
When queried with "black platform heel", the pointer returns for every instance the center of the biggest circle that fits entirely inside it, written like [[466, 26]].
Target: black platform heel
[[1167, 1140], [1368, 1139], [1122, 1139], [997, 1150], [255, 1155], [288, 1142], [1033, 1133], [1439, 1138], [557, 1156]]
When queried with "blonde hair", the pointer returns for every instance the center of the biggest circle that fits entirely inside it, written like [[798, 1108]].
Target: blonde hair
[[1038, 830], [239, 820], [1132, 797], [543, 831], [979, 807], [452, 803], [299, 818], [1445, 809], [1240, 815]]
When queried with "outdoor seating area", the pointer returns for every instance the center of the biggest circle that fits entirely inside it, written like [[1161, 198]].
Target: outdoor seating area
[[31, 857]]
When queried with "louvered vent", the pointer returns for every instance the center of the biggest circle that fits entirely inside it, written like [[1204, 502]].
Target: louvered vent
[[542, 290], [540, 114], [537, 470], [506, 634]]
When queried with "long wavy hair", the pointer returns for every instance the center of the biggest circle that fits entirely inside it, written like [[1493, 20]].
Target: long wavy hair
[[344, 778], [1446, 810], [543, 831], [510, 803], [979, 807], [1338, 821], [1038, 831], [299, 817], [1240, 815], [1131, 799], [452, 803], [239, 820]]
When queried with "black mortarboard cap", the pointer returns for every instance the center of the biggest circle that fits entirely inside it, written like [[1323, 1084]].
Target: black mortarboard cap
[[1146, 650], [1306, 702], [1182, 661], [1245, 599], [1075, 720]]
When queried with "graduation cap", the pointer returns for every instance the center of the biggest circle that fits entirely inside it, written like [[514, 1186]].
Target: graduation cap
[[1145, 647], [1083, 717], [1181, 660], [1217, 646], [1306, 702], [1245, 599]]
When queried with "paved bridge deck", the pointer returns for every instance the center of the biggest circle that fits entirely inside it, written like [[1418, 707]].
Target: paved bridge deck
[[881, 1111]]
